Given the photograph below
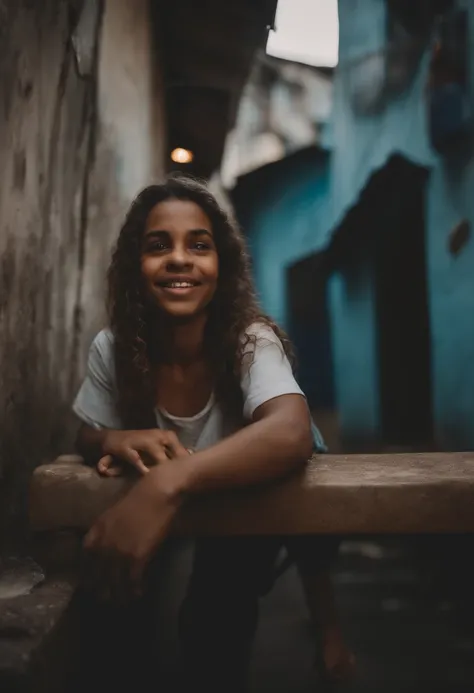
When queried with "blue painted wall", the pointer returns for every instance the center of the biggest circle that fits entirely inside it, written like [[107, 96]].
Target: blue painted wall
[[352, 304], [363, 144], [284, 211]]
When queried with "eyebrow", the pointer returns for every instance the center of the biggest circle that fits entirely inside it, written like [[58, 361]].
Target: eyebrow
[[193, 232], [202, 232]]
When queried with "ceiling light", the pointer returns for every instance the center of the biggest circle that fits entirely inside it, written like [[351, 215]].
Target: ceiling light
[[182, 156]]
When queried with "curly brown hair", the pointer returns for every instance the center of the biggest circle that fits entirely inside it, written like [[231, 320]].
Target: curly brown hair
[[233, 308]]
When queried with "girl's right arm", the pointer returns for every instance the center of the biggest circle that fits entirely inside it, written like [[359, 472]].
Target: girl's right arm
[[90, 443], [141, 449], [100, 438]]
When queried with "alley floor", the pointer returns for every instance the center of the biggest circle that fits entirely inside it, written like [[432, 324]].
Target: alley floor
[[408, 636]]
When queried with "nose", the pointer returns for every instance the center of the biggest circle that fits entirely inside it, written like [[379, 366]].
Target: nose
[[179, 259]]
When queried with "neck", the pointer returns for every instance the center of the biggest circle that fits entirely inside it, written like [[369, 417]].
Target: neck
[[181, 342]]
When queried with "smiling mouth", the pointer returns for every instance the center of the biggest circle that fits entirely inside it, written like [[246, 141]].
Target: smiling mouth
[[178, 284]]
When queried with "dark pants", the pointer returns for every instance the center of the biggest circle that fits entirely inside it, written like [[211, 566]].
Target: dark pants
[[217, 620], [312, 554], [219, 615]]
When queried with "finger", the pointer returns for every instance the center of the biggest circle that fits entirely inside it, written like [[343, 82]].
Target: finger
[[155, 451], [110, 584], [165, 445], [90, 539], [135, 460], [139, 563], [104, 464], [174, 446], [175, 449], [116, 470]]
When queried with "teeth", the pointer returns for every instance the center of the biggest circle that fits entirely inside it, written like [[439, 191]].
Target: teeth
[[179, 285]]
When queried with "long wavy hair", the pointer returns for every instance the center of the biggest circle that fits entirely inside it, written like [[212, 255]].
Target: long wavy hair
[[133, 321]]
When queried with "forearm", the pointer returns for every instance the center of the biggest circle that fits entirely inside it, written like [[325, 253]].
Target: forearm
[[90, 442], [262, 452]]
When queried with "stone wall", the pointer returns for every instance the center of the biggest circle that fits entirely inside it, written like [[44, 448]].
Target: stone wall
[[81, 130]]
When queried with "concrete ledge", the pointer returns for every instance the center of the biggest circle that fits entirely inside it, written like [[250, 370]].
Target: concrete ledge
[[34, 651], [359, 494]]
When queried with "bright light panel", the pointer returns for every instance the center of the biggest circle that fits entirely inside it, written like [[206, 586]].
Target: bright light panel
[[307, 31]]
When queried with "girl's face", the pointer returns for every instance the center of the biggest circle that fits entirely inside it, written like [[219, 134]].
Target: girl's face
[[179, 260]]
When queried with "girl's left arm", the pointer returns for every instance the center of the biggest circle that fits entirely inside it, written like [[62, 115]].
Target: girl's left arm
[[277, 442], [126, 536]]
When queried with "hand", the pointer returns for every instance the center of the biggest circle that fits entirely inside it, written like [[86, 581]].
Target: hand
[[141, 449], [123, 540], [109, 466]]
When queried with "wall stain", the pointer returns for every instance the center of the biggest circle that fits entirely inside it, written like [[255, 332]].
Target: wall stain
[[19, 169], [7, 274]]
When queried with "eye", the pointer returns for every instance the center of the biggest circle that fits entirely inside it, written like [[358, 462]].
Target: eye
[[156, 246], [201, 246]]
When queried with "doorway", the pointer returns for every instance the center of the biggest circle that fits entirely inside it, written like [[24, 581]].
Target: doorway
[[310, 332], [402, 315]]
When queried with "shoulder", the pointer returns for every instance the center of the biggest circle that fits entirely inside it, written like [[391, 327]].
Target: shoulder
[[263, 351], [266, 372], [103, 342], [256, 337], [101, 352], [96, 401], [260, 333], [104, 339]]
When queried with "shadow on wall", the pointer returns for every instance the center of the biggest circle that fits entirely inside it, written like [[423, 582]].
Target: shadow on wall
[[381, 244]]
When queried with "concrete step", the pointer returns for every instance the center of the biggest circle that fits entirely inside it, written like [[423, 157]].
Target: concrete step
[[33, 649]]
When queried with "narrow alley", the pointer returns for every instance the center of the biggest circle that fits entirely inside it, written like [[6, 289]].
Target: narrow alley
[[407, 625], [339, 137], [407, 636]]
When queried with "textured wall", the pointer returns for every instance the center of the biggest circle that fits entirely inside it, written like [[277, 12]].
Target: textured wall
[[79, 134]]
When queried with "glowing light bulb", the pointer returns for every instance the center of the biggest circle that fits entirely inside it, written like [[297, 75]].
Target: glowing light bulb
[[182, 156]]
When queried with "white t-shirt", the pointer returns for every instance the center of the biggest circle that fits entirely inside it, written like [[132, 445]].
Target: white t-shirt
[[266, 374]]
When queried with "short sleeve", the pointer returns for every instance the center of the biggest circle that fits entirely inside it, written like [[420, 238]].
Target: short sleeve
[[266, 371], [96, 401]]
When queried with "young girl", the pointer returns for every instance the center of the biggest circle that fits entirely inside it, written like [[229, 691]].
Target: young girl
[[192, 387]]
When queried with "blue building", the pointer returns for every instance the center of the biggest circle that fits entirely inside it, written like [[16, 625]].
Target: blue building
[[402, 302], [284, 209], [388, 215]]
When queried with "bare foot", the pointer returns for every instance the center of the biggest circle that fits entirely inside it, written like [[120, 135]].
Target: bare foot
[[339, 661]]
